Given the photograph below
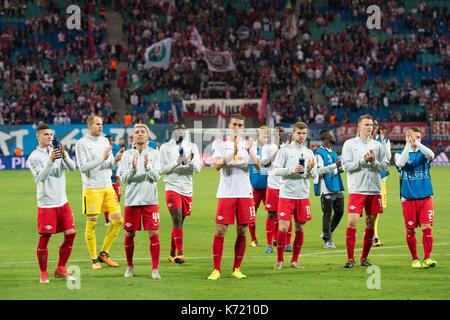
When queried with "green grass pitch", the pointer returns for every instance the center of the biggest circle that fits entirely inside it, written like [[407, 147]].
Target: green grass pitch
[[323, 277]]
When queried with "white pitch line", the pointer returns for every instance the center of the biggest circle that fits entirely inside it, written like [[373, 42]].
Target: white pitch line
[[329, 252]]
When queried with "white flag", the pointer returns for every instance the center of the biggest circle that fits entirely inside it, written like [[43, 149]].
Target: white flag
[[194, 37], [218, 61], [158, 54]]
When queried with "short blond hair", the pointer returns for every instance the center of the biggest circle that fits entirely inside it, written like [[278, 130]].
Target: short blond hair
[[142, 125], [365, 116], [300, 125], [90, 120]]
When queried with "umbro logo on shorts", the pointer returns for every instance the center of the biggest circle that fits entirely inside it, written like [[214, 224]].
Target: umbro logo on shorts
[[268, 206], [282, 214], [128, 224], [352, 207], [170, 204], [220, 218], [410, 223], [48, 227]]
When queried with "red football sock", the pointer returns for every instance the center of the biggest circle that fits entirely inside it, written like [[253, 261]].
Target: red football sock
[[129, 249], [217, 251], [177, 236], [172, 245], [412, 243], [275, 230], [298, 243], [154, 250], [106, 213], [427, 241], [367, 242], [239, 251], [65, 249], [270, 226], [350, 240], [288, 236], [252, 228], [42, 252], [281, 240]]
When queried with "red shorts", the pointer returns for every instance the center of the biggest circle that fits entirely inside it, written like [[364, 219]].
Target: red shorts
[[371, 204], [272, 197], [116, 187], [241, 208], [418, 212], [299, 208], [174, 200], [148, 214], [258, 196], [55, 220]]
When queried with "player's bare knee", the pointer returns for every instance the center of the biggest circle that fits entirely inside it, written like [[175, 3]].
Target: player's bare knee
[[299, 226], [426, 226], [370, 221], [352, 220], [46, 234], [115, 216], [69, 231], [152, 233], [241, 229], [221, 229]]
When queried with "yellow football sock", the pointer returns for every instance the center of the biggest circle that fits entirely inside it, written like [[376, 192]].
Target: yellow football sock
[[111, 234], [91, 240]]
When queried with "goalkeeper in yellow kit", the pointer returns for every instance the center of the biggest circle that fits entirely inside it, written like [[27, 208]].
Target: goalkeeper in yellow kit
[[94, 158]]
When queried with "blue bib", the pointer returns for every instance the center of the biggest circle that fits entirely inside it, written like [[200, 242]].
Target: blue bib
[[258, 179], [333, 181], [415, 180]]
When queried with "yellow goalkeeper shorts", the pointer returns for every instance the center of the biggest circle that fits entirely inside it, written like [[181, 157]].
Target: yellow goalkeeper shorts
[[99, 200], [383, 193]]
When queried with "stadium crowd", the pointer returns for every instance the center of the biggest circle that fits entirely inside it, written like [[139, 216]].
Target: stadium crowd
[[45, 72], [326, 48], [265, 49]]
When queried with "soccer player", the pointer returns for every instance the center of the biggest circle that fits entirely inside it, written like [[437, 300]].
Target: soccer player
[[328, 185], [235, 197], [140, 170], [416, 195], [179, 160], [47, 164], [114, 178], [380, 134], [295, 164], [95, 161], [258, 179], [363, 158], [270, 152]]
